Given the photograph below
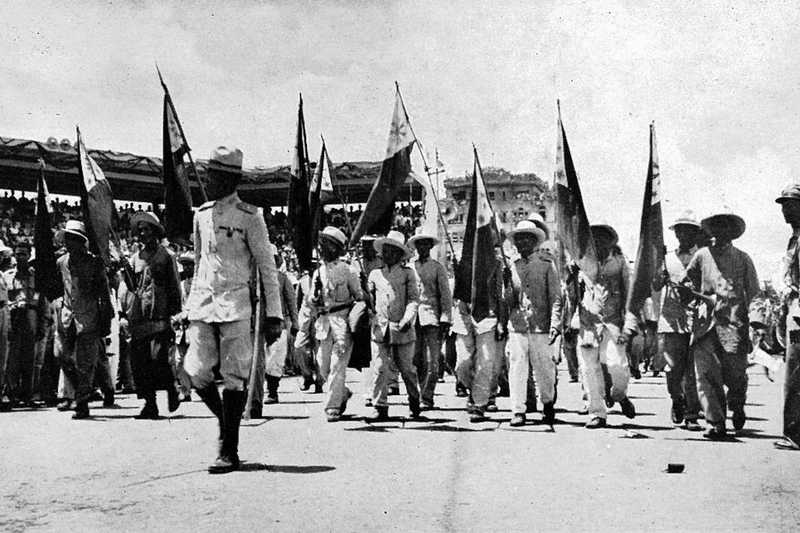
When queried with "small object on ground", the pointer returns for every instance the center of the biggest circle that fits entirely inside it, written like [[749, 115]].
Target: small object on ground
[[675, 468]]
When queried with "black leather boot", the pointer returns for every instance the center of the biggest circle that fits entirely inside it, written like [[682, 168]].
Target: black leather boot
[[210, 397], [232, 405]]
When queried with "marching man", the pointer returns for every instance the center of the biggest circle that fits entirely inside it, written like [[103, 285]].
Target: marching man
[[394, 290], [334, 288], [433, 316], [534, 304], [228, 235]]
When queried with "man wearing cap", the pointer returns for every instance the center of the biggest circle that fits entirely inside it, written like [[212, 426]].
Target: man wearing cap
[[605, 330], [728, 276], [334, 290], [228, 236], [82, 326], [534, 303], [394, 292], [149, 309], [675, 324], [790, 294], [433, 316]]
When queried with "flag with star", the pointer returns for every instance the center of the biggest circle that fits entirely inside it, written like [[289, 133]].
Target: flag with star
[[395, 169]]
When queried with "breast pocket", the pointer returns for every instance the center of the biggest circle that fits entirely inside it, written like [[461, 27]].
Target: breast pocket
[[341, 292]]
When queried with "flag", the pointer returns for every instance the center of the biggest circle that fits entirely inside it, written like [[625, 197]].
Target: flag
[[650, 254], [321, 190], [48, 279], [299, 216], [572, 224], [178, 213], [396, 166], [478, 260], [97, 203]]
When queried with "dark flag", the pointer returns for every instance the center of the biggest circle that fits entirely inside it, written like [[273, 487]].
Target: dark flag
[[97, 203], [176, 175], [48, 279], [321, 190], [396, 166], [572, 224], [299, 218], [478, 260], [650, 254]]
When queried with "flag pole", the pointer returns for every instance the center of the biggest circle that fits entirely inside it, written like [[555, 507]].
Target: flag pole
[[183, 135], [427, 171], [488, 201]]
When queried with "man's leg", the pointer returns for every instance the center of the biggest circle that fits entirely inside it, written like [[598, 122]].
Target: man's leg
[[201, 356], [734, 376], [674, 348], [593, 380], [708, 370], [403, 355], [381, 355], [544, 369], [465, 357], [339, 357], [430, 344], [143, 373], [88, 350], [517, 350], [569, 344], [485, 354], [616, 360], [791, 393]]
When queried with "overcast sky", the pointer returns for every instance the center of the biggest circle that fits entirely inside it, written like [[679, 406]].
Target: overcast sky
[[720, 80]]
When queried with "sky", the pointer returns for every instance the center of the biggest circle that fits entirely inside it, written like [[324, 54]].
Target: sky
[[720, 80]]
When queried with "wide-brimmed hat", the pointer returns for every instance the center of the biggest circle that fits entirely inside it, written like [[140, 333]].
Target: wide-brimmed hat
[[393, 238], [790, 192], [224, 159], [334, 234], [421, 235], [76, 227], [607, 228], [687, 218], [538, 219], [529, 227], [148, 218], [729, 218]]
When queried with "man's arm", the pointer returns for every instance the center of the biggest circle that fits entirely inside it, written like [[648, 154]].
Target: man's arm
[[445, 296], [258, 242], [412, 299]]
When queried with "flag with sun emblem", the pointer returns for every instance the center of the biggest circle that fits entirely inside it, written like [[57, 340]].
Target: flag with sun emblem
[[650, 254], [396, 166]]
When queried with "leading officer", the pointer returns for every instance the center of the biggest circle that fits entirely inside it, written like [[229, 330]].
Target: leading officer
[[228, 236]]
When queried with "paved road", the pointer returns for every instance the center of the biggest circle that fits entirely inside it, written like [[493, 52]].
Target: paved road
[[441, 474]]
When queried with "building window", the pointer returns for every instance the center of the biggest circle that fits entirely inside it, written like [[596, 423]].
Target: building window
[[491, 195]]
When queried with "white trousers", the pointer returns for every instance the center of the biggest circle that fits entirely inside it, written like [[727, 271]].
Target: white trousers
[[612, 354], [524, 350]]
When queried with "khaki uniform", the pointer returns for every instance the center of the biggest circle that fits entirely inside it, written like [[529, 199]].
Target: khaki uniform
[[395, 293], [435, 308], [328, 312], [534, 307], [228, 236]]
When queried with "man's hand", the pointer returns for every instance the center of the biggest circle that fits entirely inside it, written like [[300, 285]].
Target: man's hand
[[403, 326], [444, 329], [273, 327], [500, 332], [554, 333]]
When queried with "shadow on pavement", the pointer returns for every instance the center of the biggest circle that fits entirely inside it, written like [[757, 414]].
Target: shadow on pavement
[[297, 402], [449, 429], [756, 434], [285, 469]]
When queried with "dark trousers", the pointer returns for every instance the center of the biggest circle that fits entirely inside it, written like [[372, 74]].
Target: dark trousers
[[681, 380], [569, 345], [81, 356], [427, 350], [150, 362], [21, 354], [717, 369], [791, 393]]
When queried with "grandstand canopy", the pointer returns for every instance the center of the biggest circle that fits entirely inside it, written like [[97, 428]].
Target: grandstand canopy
[[137, 178]]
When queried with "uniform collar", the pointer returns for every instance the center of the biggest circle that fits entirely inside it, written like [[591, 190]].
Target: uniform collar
[[230, 199]]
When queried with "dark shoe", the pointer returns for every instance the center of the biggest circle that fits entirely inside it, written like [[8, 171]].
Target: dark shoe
[[627, 407], [573, 379], [491, 407], [738, 419], [655, 373], [413, 407], [677, 411], [518, 420], [531, 407], [83, 414], [394, 391], [256, 412], [108, 403], [96, 396], [549, 412], [65, 405], [334, 415], [148, 412], [596, 422], [635, 373], [786, 444], [503, 392], [272, 390], [609, 402], [224, 464], [173, 400], [692, 425], [461, 391], [477, 416], [715, 433], [379, 414], [317, 388], [583, 410], [232, 407]]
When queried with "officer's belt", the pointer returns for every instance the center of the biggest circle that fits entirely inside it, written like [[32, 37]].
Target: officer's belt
[[335, 308]]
